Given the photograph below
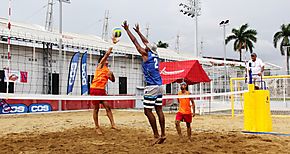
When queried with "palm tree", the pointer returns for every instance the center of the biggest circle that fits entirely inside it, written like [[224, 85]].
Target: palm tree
[[161, 44], [243, 38], [283, 35]]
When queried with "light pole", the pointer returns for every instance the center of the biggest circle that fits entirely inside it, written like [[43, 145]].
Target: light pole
[[223, 24], [60, 44], [193, 10], [60, 51]]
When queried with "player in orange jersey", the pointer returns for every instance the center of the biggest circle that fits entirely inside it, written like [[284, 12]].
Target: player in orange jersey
[[184, 113], [101, 77]]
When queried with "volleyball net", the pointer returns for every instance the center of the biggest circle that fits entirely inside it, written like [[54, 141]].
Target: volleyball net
[[277, 85], [25, 103]]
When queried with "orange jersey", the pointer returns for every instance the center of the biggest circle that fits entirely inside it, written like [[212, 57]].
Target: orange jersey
[[184, 103], [100, 78]]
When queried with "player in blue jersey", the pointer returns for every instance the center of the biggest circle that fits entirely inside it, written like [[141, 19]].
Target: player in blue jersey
[[153, 90]]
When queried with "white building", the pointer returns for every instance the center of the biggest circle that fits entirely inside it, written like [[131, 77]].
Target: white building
[[35, 51]]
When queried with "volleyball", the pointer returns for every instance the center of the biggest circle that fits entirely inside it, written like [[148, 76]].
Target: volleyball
[[117, 32]]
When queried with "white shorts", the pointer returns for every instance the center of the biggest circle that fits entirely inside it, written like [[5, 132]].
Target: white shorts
[[152, 96]]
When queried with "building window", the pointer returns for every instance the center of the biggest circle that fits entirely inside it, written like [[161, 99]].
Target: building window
[[54, 80], [122, 85], [3, 85]]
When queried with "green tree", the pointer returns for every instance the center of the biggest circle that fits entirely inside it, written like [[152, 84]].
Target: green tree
[[283, 36], [161, 44], [243, 38]]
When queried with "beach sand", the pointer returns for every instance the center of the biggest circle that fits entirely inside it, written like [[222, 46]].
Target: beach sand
[[73, 132]]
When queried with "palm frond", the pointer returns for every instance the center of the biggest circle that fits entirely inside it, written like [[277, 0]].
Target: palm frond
[[236, 44], [285, 42], [277, 37], [244, 27], [283, 28], [235, 31], [251, 37], [250, 32], [250, 45], [243, 37], [230, 38], [288, 30]]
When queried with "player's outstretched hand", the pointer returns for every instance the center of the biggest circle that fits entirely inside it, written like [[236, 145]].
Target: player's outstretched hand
[[115, 40], [110, 49], [125, 25], [136, 28]]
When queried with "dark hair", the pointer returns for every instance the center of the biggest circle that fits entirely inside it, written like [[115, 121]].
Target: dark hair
[[100, 58]]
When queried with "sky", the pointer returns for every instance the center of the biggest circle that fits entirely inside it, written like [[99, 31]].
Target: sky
[[166, 21]]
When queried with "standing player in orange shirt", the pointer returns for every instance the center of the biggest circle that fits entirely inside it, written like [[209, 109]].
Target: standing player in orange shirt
[[101, 77], [184, 113]]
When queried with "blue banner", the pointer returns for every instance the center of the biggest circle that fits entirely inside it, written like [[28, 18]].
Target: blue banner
[[42, 107], [84, 77], [15, 108], [73, 67]]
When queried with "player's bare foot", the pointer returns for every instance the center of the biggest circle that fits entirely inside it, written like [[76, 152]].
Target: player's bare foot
[[155, 141], [159, 140], [181, 139], [115, 128], [189, 140], [162, 139], [99, 131]]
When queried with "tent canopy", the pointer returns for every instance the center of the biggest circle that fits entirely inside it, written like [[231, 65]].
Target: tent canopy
[[189, 71]]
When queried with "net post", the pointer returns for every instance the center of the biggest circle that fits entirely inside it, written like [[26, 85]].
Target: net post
[[286, 88], [284, 91], [209, 107], [232, 98], [211, 90], [59, 105]]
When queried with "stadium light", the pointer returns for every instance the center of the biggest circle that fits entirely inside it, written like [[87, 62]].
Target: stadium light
[[223, 24], [192, 10]]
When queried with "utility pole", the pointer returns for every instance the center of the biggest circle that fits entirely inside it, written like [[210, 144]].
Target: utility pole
[[49, 16], [47, 53], [60, 65], [105, 26], [197, 11]]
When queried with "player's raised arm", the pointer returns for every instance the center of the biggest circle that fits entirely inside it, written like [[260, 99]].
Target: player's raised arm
[[141, 50], [143, 38], [104, 59]]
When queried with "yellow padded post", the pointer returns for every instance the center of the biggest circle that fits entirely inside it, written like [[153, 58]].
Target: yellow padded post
[[257, 114]]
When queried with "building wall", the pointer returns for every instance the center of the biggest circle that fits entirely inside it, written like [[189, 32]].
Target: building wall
[[22, 59]]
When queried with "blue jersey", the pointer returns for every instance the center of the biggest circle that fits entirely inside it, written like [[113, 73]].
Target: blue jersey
[[151, 69]]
